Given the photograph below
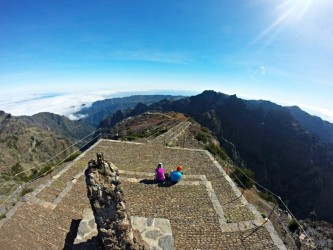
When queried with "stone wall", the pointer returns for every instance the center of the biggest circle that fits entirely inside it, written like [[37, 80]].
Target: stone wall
[[106, 197]]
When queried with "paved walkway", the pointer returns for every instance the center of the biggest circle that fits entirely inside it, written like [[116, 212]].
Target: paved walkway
[[204, 209]]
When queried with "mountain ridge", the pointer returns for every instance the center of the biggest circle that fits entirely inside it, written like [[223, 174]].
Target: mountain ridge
[[71, 129], [323, 129], [285, 156], [29, 142], [100, 110]]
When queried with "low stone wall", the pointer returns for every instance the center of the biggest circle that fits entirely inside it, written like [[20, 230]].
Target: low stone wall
[[107, 201]]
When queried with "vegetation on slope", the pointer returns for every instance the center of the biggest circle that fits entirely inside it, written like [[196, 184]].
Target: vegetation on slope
[[30, 144]]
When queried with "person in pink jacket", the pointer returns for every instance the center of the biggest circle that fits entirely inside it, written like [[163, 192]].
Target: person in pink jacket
[[159, 173]]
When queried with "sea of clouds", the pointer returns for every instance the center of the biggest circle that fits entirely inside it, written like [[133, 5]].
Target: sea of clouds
[[68, 104], [59, 103]]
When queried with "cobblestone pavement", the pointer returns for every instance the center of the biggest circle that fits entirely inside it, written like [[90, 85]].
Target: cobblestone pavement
[[53, 210], [194, 223], [144, 158], [36, 227], [172, 134]]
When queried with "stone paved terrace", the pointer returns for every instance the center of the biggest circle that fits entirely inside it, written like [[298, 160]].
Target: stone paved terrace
[[204, 209]]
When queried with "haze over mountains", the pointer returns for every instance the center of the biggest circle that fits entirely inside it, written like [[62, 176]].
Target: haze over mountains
[[100, 110], [290, 151]]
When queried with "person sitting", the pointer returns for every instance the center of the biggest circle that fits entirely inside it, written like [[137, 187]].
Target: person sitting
[[159, 173], [176, 175]]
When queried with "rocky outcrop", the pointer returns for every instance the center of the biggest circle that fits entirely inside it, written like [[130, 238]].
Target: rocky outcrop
[[106, 197], [320, 232]]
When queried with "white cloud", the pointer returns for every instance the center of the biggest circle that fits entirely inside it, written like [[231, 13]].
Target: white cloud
[[66, 104], [58, 103], [325, 114], [262, 70], [75, 116]]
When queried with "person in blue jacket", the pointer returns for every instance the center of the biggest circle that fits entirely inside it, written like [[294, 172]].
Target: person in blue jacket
[[175, 176]]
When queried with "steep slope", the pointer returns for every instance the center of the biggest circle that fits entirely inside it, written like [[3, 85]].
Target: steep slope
[[102, 109], [122, 114], [24, 146], [147, 126], [61, 125], [317, 126], [27, 143], [285, 157], [314, 124], [33, 142]]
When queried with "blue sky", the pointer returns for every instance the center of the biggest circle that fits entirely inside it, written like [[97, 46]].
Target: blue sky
[[278, 50]]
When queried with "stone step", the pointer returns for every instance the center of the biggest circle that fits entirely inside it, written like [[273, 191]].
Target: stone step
[[171, 134]]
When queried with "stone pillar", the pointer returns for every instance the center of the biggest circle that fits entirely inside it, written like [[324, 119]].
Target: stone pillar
[[106, 197]]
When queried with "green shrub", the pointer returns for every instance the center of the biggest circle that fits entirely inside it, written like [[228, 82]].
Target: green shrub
[[6, 176], [5, 189], [34, 173], [293, 225], [45, 170], [268, 197], [241, 177], [205, 130], [72, 157], [16, 170], [217, 151], [191, 120], [201, 137], [132, 135], [25, 191], [163, 131], [130, 138]]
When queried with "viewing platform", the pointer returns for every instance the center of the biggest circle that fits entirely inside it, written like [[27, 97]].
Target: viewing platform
[[205, 209]]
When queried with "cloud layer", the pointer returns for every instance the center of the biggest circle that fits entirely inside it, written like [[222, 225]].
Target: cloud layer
[[58, 103], [66, 103]]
